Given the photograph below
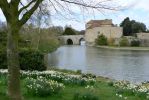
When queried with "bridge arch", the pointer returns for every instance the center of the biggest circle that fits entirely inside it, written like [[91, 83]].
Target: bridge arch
[[69, 42], [72, 39], [81, 40]]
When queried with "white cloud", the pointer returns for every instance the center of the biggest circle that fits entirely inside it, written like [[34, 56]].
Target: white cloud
[[142, 4]]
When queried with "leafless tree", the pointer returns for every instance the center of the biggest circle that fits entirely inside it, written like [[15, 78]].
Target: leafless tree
[[40, 19]]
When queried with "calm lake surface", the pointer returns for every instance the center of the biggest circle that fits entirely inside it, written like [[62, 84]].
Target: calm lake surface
[[116, 64]]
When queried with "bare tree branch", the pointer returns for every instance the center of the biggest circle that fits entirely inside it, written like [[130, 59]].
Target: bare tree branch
[[53, 6], [99, 6], [25, 7], [28, 14], [4, 5]]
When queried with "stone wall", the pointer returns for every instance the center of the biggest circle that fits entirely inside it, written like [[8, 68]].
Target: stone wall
[[109, 32], [144, 38], [143, 35]]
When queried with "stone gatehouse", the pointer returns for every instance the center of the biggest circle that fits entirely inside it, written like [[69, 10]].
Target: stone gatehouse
[[105, 27]]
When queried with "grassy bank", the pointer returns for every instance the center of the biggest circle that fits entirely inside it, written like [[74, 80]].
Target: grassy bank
[[97, 88], [125, 48]]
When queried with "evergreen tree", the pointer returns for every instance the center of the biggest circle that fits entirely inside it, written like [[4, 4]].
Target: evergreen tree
[[69, 31], [130, 27]]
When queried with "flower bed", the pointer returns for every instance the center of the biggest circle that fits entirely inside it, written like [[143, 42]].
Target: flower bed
[[140, 90], [42, 86], [57, 76]]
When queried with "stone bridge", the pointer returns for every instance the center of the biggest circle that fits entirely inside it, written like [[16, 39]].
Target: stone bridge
[[72, 39]]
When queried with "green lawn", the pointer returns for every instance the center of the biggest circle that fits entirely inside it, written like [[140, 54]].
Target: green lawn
[[125, 48], [101, 89]]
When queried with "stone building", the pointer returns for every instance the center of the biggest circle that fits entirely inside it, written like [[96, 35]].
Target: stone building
[[105, 27]]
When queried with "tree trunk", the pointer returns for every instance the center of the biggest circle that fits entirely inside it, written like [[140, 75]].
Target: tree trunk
[[38, 42], [14, 91], [46, 60]]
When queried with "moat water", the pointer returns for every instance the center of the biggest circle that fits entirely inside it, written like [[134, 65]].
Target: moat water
[[116, 64]]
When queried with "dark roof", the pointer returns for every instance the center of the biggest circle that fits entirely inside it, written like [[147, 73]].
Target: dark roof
[[99, 23]]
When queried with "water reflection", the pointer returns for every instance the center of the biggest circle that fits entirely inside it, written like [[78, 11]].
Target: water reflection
[[120, 65], [69, 57]]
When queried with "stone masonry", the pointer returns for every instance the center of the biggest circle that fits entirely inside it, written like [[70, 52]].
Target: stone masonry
[[94, 28]]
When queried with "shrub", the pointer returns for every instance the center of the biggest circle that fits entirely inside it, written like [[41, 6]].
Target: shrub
[[110, 83], [135, 43], [42, 86], [48, 44], [29, 60], [89, 94], [3, 59], [127, 92], [126, 88], [32, 60], [124, 42], [89, 75], [3, 80], [101, 40], [79, 81], [85, 96], [79, 71], [142, 95], [24, 43], [120, 91], [3, 39]]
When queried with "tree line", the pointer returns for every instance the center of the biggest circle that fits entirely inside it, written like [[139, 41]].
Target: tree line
[[130, 27]]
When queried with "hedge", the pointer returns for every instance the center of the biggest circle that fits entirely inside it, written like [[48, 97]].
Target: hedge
[[29, 60], [124, 42], [3, 60]]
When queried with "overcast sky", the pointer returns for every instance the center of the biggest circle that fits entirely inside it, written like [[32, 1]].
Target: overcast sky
[[136, 9]]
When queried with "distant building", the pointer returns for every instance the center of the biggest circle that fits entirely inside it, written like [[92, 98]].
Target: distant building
[[94, 28]]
